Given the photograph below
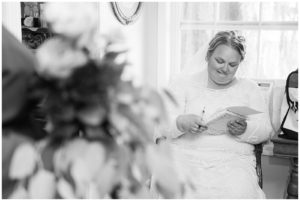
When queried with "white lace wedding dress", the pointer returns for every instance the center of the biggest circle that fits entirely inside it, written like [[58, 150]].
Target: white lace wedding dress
[[219, 166]]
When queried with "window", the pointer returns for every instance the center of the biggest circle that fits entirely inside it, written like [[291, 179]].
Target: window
[[270, 29]]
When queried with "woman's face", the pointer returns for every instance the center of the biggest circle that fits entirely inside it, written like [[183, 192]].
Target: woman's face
[[223, 64]]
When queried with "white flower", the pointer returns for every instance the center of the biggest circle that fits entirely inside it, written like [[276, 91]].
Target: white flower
[[81, 175], [42, 185], [24, 162], [116, 42], [115, 35], [108, 176], [68, 153], [89, 168], [95, 156], [58, 58], [166, 177], [86, 168], [72, 19], [65, 189]]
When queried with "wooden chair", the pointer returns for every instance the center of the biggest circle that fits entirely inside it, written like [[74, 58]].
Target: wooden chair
[[258, 149]]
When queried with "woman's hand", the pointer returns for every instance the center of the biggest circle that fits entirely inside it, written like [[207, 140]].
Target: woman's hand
[[190, 123], [237, 127]]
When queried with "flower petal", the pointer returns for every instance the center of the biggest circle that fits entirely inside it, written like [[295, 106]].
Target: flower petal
[[95, 156], [82, 177], [23, 162], [65, 190], [166, 179], [19, 193], [42, 185]]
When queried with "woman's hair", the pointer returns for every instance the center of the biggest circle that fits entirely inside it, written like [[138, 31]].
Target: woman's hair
[[229, 38]]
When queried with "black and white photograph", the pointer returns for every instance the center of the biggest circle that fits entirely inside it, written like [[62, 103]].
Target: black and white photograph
[[150, 99]]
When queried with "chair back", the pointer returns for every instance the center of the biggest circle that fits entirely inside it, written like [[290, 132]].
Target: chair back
[[258, 152]]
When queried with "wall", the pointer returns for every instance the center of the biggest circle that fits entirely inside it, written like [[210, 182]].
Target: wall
[[150, 32], [140, 38], [11, 18]]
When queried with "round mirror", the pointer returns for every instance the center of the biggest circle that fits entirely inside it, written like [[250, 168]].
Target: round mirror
[[126, 12]]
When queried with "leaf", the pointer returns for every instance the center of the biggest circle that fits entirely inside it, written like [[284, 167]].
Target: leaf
[[92, 116], [125, 98], [95, 156], [19, 193], [95, 133], [155, 103], [140, 164], [136, 172], [171, 97], [108, 176], [67, 154], [92, 192], [59, 109], [47, 154], [62, 131], [65, 190], [152, 113], [141, 193], [119, 121], [42, 185], [49, 127], [82, 177], [23, 162], [166, 178], [137, 122]]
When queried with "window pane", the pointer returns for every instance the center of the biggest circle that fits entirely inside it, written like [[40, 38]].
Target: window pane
[[191, 42], [239, 11], [248, 68], [279, 11], [278, 54], [203, 11]]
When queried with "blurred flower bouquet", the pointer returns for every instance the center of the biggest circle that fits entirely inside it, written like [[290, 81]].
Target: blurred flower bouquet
[[100, 128]]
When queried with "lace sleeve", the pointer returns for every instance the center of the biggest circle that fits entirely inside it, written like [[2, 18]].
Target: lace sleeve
[[259, 127]]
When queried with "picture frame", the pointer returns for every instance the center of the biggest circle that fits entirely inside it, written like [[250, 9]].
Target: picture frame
[[34, 28]]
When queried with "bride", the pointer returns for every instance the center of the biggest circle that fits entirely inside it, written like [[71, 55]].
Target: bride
[[219, 165]]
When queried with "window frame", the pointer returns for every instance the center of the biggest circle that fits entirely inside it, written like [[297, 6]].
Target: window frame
[[177, 25]]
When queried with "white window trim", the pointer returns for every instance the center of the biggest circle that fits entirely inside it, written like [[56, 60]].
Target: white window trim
[[163, 44], [175, 43], [177, 25], [188, 25]]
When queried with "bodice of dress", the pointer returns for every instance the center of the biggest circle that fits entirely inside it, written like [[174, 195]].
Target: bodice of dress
[[194, 96], [199, 99]]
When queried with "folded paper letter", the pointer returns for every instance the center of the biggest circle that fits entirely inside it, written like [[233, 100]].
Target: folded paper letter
[[217, 123]]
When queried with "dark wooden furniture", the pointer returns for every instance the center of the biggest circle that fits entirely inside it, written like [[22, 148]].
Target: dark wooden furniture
[[288, 149], [258, 152]]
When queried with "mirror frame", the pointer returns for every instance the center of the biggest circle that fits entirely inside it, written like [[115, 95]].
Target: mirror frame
[[122, 18]]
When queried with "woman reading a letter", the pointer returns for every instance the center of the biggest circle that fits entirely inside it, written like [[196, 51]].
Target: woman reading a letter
[[219, 164]]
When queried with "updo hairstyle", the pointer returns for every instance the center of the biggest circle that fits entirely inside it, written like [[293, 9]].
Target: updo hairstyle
[[229, 38]]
